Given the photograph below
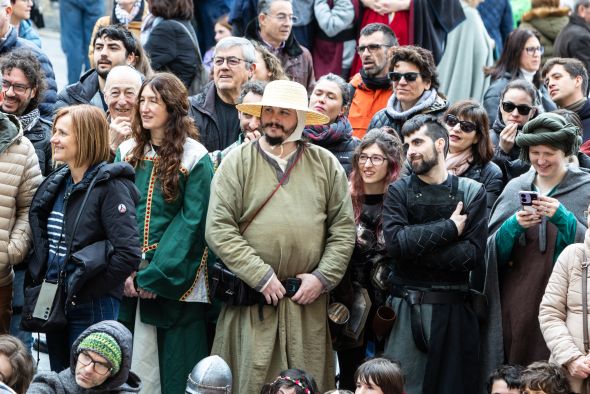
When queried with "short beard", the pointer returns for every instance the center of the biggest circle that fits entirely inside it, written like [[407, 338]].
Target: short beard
[[274, 141], [426, 165]]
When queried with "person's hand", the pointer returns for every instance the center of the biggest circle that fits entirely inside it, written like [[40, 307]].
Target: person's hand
[[309, 291], [384, 7], [148, 295], [274, 291], [129, 289], [119, 131], [527, 219], [546, 206], [252, 136], [459, 219], [579, 367], [507, 137]]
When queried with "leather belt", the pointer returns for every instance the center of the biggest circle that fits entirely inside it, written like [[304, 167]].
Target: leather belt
[[415, 298]]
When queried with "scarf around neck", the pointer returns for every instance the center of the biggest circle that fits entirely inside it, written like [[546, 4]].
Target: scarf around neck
[[329, 134], [458, 163], [575, 107], [27, 121], [374, 83], [394, 107], [125, 17]]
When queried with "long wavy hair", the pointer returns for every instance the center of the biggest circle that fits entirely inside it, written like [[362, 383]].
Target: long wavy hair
[[390, 144], [179, 127]]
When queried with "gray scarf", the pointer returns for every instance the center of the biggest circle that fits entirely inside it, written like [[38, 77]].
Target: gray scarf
[[29, 120], [394, 107]]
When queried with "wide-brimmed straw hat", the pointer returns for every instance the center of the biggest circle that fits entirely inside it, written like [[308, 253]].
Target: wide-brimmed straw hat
[[285, 94]]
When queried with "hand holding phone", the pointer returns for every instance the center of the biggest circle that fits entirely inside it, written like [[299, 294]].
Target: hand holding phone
[[526, 199]]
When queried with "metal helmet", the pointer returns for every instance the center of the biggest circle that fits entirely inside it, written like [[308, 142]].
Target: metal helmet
[[211, 375]]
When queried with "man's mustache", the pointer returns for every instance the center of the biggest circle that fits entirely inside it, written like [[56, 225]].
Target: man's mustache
[[275, 125]]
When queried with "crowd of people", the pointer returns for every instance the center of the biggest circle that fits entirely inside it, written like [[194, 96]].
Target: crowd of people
[[279, 196]]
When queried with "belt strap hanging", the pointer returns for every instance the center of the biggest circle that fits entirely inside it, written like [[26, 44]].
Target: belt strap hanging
[[585, 303]]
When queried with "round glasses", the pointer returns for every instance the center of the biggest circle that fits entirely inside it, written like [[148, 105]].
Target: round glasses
[[375, 160], [98, 367], [465, 126]]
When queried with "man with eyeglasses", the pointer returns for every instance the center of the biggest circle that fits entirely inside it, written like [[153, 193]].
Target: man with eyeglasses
[[574, 38], [566, 80], [100, 363], [273, 28], [372, 86], [214, 109], [435, 229]]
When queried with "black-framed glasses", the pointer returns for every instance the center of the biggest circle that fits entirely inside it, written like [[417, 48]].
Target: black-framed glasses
[[371, 47], [523, 109], [232, 61], [98, 367], [376, 160], [16, 87], [409, 77], [283, 18], [464, 125], [531, 50]]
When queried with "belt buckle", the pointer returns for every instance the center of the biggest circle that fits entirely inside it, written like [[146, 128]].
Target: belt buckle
[[413, 297]]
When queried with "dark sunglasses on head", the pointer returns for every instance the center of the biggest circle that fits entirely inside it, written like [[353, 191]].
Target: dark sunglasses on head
[[523, 109], [465, 126], [409, 77]]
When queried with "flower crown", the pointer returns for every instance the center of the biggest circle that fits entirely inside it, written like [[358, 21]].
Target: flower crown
[[294, 381]]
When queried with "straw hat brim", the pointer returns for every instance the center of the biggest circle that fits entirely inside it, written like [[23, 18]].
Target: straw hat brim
[[311, 118]]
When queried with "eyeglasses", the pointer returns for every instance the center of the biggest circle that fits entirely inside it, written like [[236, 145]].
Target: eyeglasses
[[531, 50], [16, 87], [465, 126], [409, 77], [371, 47], [98, 367], [232, 61], [375, 160], [283, 18], [523, 109]]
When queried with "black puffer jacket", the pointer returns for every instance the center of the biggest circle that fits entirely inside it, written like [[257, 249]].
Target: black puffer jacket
[[344, 150], [109, 215], [124, 381], [382, 118], [81, 92], [40, 135], [490, 176]]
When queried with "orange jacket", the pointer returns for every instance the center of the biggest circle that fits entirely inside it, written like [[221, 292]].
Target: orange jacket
[[365, 104]]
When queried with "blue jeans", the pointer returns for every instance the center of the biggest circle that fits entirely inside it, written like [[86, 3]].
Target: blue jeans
[[80, 317], [77, 19], [18, 300]]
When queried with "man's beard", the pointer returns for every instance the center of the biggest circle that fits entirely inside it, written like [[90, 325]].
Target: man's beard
[[274, 141], [424, 166]]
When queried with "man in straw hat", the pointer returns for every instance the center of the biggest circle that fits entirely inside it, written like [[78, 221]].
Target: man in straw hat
[[280, 217]]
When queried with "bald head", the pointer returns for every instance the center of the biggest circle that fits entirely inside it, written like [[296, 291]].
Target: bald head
[[120, 90]]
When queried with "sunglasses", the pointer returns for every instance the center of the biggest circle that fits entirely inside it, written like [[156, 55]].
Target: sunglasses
[[523, 109], [409, 77], [465, 126]]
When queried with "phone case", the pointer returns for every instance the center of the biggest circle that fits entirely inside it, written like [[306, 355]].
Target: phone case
[[45, 300]]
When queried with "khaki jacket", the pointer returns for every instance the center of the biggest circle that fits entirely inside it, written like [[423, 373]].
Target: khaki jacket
[[560, 313], [20, 176]]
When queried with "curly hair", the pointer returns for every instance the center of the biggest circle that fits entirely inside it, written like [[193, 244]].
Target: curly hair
[[179, 126], [27, 62], [544, 376], [273, 64], [20, 361], [421, 58]]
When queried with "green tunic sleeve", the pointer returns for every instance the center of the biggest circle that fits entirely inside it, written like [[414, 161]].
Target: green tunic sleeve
[[566, 224], [506, 236], [182, 253]]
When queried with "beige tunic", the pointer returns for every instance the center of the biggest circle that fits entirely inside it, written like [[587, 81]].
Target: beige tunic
[[307, 227]]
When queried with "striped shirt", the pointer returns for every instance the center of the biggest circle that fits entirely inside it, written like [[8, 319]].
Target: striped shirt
[[55, 234]]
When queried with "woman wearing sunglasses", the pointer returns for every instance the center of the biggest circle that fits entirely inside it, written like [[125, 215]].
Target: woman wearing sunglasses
[[470, 148], [520, 59], [537, 215], [415, 89], [516, 108]]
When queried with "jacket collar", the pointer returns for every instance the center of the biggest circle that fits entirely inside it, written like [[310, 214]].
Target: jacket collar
[[579, 21], [10, 130], [85, 89], [10, 40], [292, 47]]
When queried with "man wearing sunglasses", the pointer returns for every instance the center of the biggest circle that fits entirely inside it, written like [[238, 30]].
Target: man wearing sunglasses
[[567, 82], [574, 38], [435, 229], [372, 86], [415, 87], [100, 363]]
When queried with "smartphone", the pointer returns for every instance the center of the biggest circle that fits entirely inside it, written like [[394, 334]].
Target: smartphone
[[527, 198], [292, 285]]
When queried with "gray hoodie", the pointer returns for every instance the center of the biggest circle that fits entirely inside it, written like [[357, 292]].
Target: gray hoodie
[[124, 381]]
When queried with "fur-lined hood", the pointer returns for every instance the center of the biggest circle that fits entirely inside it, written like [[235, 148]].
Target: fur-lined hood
[[545, 12]]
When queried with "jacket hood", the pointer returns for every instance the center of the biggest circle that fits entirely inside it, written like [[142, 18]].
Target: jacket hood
[[292, 47], [545, 12], [124, 338], [11, 130]]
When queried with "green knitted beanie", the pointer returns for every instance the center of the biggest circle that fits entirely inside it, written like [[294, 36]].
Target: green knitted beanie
[[104, 345]]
